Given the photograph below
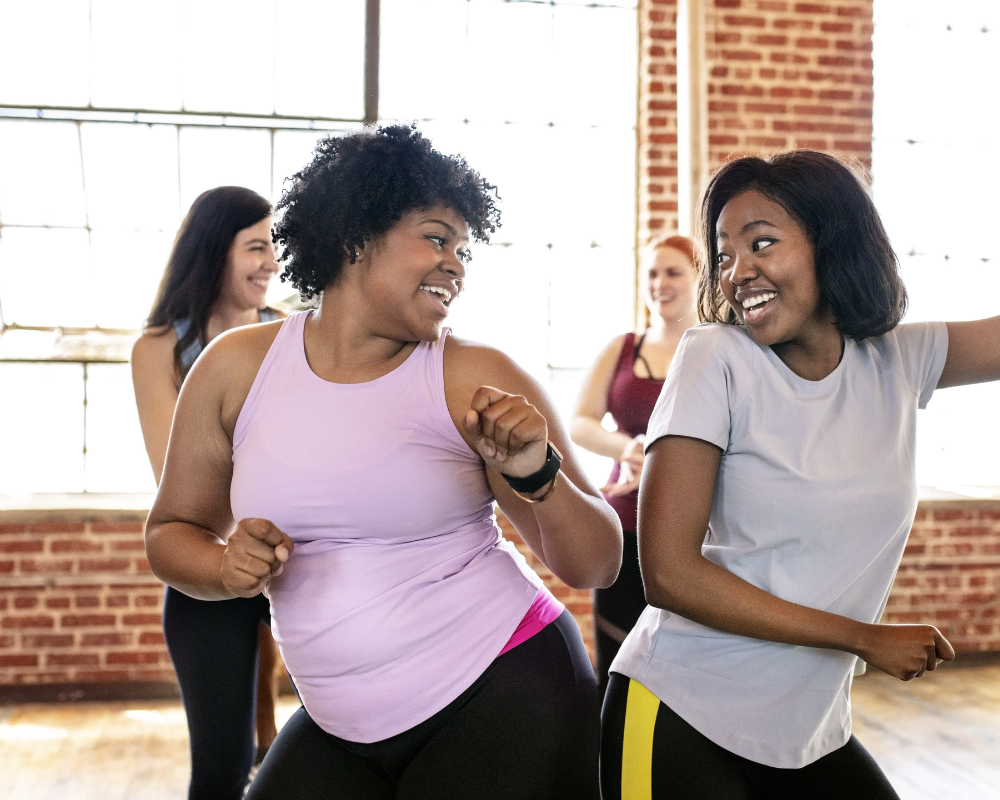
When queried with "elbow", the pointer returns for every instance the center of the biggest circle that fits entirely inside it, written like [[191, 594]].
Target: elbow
[[577, 425], [601, 571], [664, 588]]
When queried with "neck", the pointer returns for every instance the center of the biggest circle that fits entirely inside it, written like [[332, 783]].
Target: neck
[[225, 316], [815, 353], [343, 335], [673, 327]]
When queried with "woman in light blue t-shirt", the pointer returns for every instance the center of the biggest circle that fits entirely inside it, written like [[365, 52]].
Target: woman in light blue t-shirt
[[786, 430]]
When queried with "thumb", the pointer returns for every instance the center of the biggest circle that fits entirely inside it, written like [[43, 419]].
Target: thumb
[[284, 549], [472, 424]]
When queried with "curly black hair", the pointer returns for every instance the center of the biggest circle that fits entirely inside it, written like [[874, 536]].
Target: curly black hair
[[358, 186]]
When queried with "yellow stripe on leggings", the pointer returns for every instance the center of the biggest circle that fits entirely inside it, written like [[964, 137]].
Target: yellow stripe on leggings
[[637, 744]]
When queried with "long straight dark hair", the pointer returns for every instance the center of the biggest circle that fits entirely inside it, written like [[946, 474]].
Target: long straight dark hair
[[192, 280]]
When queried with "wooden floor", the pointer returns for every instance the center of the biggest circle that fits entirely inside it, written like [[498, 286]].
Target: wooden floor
[[937, 738]]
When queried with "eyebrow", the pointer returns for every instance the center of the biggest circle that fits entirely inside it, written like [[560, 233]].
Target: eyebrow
[[750, 225], [257, 241], [451, 230]]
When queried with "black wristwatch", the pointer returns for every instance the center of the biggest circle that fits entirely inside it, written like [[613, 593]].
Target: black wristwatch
[[530, 484]]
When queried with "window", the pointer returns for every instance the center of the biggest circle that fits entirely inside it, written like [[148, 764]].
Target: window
[[115, 115], [933, 182]]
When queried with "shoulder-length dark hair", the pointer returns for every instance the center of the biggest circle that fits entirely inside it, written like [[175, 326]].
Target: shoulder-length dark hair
[[192, 280], [856, 267]]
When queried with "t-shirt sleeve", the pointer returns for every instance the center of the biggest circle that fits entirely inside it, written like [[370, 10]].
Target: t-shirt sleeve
[[923, 348], [695, 400]]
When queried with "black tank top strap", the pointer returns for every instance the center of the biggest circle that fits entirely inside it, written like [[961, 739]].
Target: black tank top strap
[[637, 356]]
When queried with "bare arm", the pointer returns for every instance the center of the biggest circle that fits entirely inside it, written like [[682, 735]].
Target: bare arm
[[973, 353], [574, 532], [192, 542], [675, 502], [154, 381], [592, 404]]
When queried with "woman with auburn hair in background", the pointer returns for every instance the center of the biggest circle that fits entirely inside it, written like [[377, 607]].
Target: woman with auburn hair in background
[[626, 379], [216, 279], [777, 496]]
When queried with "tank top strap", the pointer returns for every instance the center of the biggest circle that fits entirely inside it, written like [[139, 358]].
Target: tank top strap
[[627, 354], [193, 350], [289, 337]]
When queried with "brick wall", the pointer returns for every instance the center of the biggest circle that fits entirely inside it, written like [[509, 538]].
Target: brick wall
[[781, 75], [79, 606], [78, 603], [950, 574]]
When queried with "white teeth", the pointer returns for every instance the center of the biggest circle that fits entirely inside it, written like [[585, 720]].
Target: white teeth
[[445, 294], [757, 299], [261, 282]]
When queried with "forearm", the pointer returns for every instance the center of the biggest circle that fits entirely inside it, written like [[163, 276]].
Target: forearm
[[579, 537], [591, 435], [704, 592], [188, 558]]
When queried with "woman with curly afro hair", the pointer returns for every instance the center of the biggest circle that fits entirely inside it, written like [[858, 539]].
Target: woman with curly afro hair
[[345, 461]]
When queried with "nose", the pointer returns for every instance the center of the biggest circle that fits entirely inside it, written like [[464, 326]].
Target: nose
[[743, 270], [454, 267]]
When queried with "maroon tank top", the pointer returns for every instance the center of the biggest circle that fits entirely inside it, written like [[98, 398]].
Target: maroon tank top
[[630, 401]]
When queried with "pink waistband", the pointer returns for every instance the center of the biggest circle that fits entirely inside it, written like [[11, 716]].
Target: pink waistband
[[543, 610]]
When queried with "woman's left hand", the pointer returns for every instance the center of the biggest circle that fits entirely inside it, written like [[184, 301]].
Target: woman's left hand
[[509, 433], [628, 481]]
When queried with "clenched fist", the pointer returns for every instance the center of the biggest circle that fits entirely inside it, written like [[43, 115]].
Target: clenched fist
[[509, 433], [255, 552]]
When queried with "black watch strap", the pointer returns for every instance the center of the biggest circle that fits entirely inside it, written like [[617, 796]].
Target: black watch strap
[[530, 484]]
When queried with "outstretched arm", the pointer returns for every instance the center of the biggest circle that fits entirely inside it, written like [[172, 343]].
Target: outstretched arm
[[973, 353], [675, 503]]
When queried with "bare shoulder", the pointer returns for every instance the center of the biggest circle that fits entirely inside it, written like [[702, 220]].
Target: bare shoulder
[[155, 344], [469, 365], [226, 370]]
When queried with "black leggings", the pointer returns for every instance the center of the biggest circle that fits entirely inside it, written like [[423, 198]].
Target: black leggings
[[528, 728], [213, 645], [617, 608], [685, 764]]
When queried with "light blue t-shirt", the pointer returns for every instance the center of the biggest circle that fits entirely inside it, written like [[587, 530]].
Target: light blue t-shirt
[[813, 503]]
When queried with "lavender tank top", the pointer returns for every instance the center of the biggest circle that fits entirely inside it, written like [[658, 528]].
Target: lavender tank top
[[401, 589]]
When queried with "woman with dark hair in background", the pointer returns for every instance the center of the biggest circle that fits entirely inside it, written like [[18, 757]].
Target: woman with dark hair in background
[[786, 431], [626, 379], [216, 279], [348, 458]]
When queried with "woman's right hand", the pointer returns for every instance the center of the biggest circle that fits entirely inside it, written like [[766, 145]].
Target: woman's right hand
[[255, 552], [632, 454], [905, 651]]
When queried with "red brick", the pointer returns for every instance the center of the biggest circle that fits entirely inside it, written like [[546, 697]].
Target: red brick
[[835, 61], [741, 55], [72, 660], [22, 546], [141, 619], [116, 601], [38, 641], [6, 566], [117, 527], [744, 21], [45, 565], [19, 661], [728, 3], [35, 621], [136, 545], [12, 527], [106, 639], [132, 658], [86, 620], [765, 108], [25, 602], [769, 39], [785, 24], [102, 676], [57, 602], [75, 546], [151, 637], [812, 43], [56, 527], [851, 11], [104, 564], [812, 8], [87, 601], [836, 27]]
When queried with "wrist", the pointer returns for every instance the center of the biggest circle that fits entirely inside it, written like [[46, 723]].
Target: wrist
[[858, 638]]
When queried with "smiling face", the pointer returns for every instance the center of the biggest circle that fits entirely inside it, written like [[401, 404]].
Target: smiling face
[[671, 283], [767, 272], [250, 265], [414, 271]]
